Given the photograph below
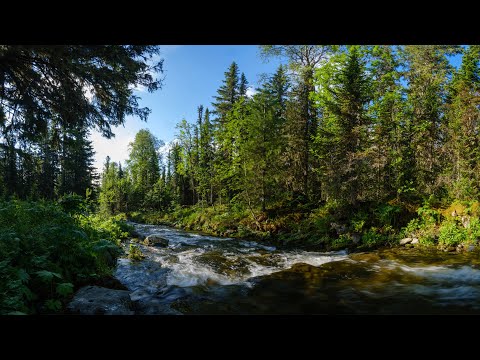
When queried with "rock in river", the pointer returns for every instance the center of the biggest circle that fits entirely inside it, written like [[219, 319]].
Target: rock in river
[[96, 300], [408, 240], [156, 240]]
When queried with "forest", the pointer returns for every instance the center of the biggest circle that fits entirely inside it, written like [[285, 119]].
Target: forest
[[343, 147]]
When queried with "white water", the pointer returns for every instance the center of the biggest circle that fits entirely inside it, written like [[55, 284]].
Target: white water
[[194, 261], [235, 261]]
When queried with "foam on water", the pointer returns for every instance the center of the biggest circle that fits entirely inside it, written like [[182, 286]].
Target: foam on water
[[193, 259]]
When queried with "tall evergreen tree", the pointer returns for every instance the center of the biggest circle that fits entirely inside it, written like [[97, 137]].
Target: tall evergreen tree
[[243, 86], [462, 144], [228, 93], [302, 114], [427, 76], [390, 160], [143, 163], [343, 139]]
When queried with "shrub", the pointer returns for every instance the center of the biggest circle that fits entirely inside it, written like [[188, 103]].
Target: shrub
[[450, 234], [134, 253], [46, 251], [372, 238], [343, 241]]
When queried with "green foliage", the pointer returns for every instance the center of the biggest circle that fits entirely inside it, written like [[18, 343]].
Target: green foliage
[[372, 238], [450, 234], [45, 150], [343, 241], [64, 289], [387, 213], [428, 216], [53, 305], [134, 253], [73, 203], [47, 276], [46, 252], [473, 230]]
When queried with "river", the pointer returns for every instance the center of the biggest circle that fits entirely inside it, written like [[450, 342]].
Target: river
[[200, 274]]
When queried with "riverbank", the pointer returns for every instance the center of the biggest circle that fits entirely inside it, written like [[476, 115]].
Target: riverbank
[[49, 250], [455, 227]]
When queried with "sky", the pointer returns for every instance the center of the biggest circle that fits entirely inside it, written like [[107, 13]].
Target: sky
[[193, 74]]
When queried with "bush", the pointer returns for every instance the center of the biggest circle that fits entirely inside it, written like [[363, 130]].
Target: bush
[[373, 238], [450, 234], [46, 252], [134, 253], [342, 242]]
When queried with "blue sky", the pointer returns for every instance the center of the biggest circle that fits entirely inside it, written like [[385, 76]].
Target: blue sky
[[193, 73]]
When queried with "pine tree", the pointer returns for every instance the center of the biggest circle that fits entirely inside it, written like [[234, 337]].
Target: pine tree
[[427, 77], [343, 140], [302, 115], [228, 93], [462, 147], [390, 162], [243, 86], [143, 164], [225, 131]]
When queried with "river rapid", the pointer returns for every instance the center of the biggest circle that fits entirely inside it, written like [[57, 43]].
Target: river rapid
[[200, 274]]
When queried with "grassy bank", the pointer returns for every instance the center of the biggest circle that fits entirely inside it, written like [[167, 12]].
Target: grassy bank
[[454, 227], [49, 250]]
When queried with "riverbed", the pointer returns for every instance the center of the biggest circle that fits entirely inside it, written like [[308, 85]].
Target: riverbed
[[201, 274]]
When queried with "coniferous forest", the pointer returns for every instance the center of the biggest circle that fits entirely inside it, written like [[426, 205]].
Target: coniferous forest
[[355, 147]]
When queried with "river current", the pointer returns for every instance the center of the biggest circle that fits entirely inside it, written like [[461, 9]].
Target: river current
[[200, 274]]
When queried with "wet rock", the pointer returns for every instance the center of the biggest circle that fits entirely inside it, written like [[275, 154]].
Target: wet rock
[[471, 248], [155, 240], [96, 300], [154, 306], [407, 240]]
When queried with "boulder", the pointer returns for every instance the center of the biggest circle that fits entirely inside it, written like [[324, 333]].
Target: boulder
[[471, 248], [96, 300], [155, 240], [414, 241], [406, 241]]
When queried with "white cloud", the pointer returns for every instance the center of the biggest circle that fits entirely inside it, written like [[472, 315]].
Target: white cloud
[[140, 88], [117, 147], [163, 150], [251, 91]]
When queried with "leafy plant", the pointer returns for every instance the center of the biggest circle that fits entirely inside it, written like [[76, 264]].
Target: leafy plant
[[135, 253], [450, 234]]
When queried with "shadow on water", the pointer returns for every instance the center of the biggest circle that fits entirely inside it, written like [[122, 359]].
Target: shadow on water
[[198, 274]]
